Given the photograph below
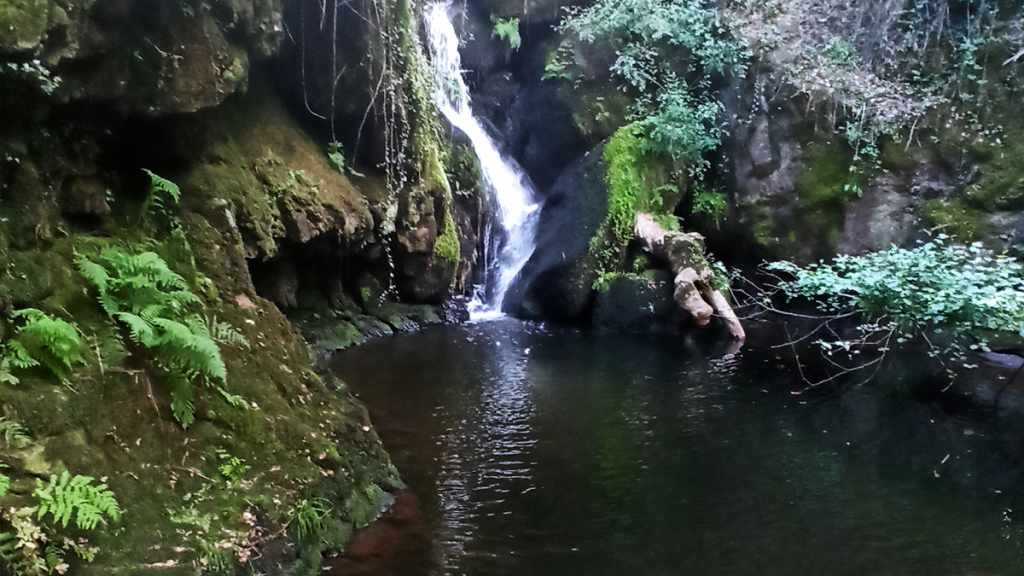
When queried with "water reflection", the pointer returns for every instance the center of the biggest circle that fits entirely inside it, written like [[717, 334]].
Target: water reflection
[[564, 453], [486, 449]]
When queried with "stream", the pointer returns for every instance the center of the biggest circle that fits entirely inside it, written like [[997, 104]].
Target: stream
[[546, 451]]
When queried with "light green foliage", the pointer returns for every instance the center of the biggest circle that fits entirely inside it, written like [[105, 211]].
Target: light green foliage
[[152, 303], [675, 109], [635, 184], [622, 154], [683, 128], [336, 157], [232, 468], [638, 27], [5, 483], [711, 203], [41, 340], [507, 29], [668, 222], [75, 498], [310, 516], [560, 63], [938, 285]]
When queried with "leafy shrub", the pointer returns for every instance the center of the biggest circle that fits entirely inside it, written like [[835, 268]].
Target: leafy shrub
[[42, 340], [683, 128], [336, 157], [960, 288], [152, 302], [675, 108], [67, 498], [711, 203]]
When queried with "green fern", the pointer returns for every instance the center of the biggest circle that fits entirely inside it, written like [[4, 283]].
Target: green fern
[[73, 497], [11, 556], [5, 483], [153, 303], [162, 194], [42, 340], [19, 550], [13, 433], [219, 332]]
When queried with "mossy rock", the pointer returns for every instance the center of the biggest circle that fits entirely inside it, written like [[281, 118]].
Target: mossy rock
[[1001, 186], [959, 219], [827, 176], [634, 303], [23, 24]]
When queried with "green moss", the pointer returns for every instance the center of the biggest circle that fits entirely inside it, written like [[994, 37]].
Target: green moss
[[464, 169], [447, 245], [957, 218], [896, 156], [827, 177], [1001, 186], [23, 23], [624, 157], [638, 181]]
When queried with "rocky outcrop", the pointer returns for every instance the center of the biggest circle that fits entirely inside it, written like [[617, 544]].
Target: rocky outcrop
[[557, 280], [150, 56]]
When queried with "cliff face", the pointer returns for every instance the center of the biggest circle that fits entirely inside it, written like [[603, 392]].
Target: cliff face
[[278, 463], [844, 127]]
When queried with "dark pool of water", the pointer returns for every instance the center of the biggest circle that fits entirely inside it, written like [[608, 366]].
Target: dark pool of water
[[550, 452]]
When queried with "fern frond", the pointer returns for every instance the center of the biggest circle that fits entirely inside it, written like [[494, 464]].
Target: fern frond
[[49, 341], [93, 272], [220, 332], [19, 356], [75, 497], [233, 399], [13, 433], [5, 369], [159, 185], [5, 483], [162, 193], [54, 557], [182, 404], [192, 354], [140, 331]]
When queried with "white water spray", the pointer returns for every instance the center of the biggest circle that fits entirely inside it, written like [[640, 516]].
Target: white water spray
[[509, 187]]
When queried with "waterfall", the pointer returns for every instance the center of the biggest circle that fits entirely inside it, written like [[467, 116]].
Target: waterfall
[[506, 185]]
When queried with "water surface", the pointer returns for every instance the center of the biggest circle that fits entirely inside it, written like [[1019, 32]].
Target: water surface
[[552, 452]]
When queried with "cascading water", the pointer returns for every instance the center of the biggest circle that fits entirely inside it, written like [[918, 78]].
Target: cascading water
[[508, 187]]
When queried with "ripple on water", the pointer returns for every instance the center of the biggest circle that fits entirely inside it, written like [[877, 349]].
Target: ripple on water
[[600, 454]]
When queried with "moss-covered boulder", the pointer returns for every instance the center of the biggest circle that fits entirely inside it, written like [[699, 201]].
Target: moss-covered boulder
[[150, 56]]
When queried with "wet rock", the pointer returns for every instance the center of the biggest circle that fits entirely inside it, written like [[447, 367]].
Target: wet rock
[[557, 281], [150, 56], [544, 136], [84, 196], [636, 304]]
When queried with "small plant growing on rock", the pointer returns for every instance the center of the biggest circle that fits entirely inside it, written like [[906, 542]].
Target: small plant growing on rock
[[152, 302], [310, 515], [507, 29], [41, 340], [69, 498]]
